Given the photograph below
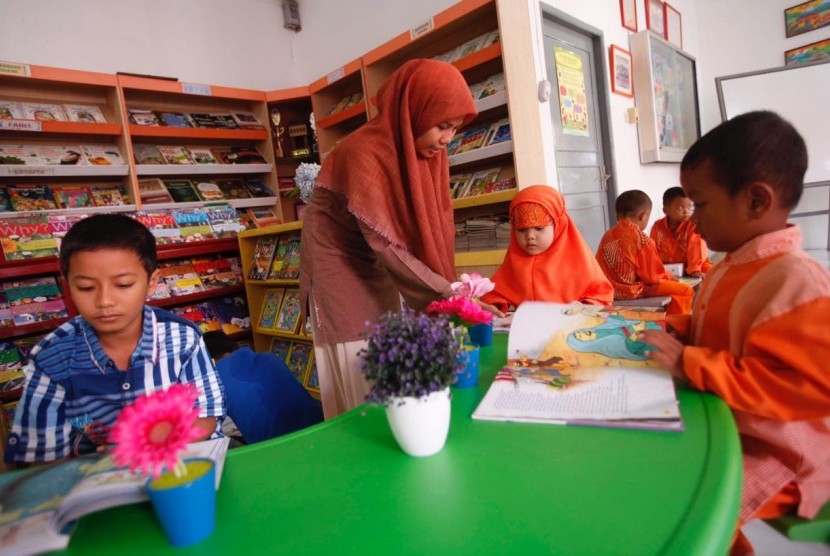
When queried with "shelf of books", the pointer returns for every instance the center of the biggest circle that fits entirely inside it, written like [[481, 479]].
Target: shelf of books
[[271, 266], [293, 137], [194, 144], [339, 104]]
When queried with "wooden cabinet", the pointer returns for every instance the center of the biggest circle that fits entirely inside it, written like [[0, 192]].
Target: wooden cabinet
[[339, 103]]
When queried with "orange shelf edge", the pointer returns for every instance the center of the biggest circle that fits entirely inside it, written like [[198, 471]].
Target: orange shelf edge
[[348, 69], [287, 94], [175, 87], [479, 57], [61, 75], [343, 115], [198, 133]]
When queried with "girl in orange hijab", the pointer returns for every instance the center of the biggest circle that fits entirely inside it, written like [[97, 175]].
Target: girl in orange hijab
[[379, 226], [548, 260]]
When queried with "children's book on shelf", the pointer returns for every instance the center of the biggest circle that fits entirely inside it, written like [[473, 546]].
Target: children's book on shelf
[[10, 110], [29, 313], [224, 120], [494, 84], [31, 290], [173, 119], [218, 272], [20, 155], [224, 220], [182, 191], [11, 367], [280, 347], [291, 267], [582, 365], [31, 197], [43, 111], [313, 380], [152, 191], [499, 133], [161, 224], [232, 312], [174, 154], [202, 155], [107, 197], [62, 155], [264, 216], [239, 155], [140, 116], [200, 314], [61, 223], [197, 119], [278, 260], [473, 139], [257, 188], [289, 314], [147, 154], [271, 302], [457, 183], [181, 277], [298, 359], [246, 120], [27, 238], [480, 182], [40, 506], [233, 188], [103, 155], [193, 224], [84, 113], [72, 197], [208, 191], [263, 255]]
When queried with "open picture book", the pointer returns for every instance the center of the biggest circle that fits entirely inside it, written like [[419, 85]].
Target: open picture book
[[582, 365], [39, 506]]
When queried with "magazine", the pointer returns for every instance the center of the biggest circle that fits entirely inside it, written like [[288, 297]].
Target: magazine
[[63, 155], [147, 154], [40, 505], [42, 111], [84, 113], [582, 365], [103, 155]]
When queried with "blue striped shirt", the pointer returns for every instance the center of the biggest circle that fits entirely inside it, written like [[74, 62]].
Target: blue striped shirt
[[74, 391]]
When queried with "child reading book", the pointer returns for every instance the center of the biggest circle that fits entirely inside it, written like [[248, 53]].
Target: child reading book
[[629, 258], [675, 235], [116, 350], [547, 260], [758, 336]]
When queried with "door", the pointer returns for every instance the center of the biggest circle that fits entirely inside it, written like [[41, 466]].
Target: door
[[570, 59]]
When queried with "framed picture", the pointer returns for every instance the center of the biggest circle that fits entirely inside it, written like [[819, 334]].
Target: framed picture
[[655, 20], [813, 52], [628, 14], [622, 79], [674, 25], [807, 16]]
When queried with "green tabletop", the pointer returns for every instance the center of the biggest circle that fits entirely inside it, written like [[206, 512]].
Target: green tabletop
[[344, 487]]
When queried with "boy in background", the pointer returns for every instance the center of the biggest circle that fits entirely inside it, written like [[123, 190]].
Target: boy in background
[[630, 261], [116, 350], [759, 336], [675, 235], [263, 397]]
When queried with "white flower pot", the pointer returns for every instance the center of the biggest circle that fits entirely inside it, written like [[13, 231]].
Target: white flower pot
[[420, 425]]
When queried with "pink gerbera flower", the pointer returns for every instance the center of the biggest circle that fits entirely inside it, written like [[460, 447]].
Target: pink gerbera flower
[[462, 310], [151, 433]]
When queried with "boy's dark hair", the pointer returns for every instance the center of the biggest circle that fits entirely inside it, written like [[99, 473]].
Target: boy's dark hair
[[671, 194], [629, 203], [218, 344], [756, 146], [109, 231]]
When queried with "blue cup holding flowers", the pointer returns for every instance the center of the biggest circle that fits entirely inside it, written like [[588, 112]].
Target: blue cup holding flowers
[[467, 376], [481, 334]]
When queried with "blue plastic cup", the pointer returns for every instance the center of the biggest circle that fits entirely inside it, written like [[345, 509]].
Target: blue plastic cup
[[467, 377], [186, 507], [481, 334]]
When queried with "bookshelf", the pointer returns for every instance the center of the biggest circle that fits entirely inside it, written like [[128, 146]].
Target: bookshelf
[[269, 338], [330, 99]]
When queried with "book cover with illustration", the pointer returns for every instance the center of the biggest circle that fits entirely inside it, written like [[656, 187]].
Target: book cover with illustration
[[193, 224], [84, 113], [233, 313], [140, 116], [258, 188], [313, 380], [62, 155], [174, 154], [39, 507], [180, 277], [43, 111], [280, 347], [218, 272], [172, 119], [289, 314], [291, 267], [182, 191], [20, 155], [208, 191], [11, 367], [499, 133], [582, 365], [10, 110], [298, 359], [60, 224], [31, 290], [72, 197], [161, 224], [263, 255], [107, 197], [103, 155], [271, 303], [233, 188], [246, 120], [152, 191], [224, 220], [31, 197], [278, 261], [201, 155], [39, 311], [147, 154]]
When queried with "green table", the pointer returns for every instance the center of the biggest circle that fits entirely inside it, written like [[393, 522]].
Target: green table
[[344, 487]]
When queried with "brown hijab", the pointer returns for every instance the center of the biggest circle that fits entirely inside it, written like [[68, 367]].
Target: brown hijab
[[404, 198]]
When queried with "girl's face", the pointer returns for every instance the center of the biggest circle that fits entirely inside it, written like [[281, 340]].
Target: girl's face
[[535, 240], [437, 138]]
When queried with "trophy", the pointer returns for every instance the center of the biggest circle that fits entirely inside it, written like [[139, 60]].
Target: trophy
[[278, 132]]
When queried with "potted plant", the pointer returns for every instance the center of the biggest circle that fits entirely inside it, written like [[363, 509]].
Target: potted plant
[[411, 359]]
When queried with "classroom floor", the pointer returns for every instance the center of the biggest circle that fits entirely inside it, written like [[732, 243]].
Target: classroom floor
[[769, 542]]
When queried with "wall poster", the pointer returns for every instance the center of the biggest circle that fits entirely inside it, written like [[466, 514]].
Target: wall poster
[[573, 104]]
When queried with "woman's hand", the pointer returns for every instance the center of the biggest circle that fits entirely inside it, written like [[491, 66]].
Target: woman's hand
[[490, 308]]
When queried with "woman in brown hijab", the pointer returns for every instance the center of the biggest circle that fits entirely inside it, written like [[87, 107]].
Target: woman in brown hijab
[[379, 227]]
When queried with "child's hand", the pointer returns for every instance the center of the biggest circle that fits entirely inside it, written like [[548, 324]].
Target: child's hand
[[668, 350], [697, 274]]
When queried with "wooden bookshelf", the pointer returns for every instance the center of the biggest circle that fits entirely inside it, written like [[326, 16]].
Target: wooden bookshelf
[[326, 92]]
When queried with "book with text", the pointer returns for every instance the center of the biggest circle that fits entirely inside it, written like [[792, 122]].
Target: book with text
[[40, 505], [582, 365], [84, 113]]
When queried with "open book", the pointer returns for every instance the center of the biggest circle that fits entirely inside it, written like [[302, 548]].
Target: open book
[[582, 365], [39, 506]]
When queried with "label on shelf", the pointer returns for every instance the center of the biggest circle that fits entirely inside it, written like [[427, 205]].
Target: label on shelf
[[196, 89], [335, 75], [30, 171], [21, 125], [11, 68], [422, 29]]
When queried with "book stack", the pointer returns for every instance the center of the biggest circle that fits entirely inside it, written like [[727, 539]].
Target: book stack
[[61, 155], [33, 300], [471, 46], [238, 119], [476, 234], [480, 136], [177, 154], [83, 113]]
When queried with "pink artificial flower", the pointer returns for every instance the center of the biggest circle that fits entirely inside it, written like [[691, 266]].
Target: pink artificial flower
[[461, 309], [473, 285], [152, 432]]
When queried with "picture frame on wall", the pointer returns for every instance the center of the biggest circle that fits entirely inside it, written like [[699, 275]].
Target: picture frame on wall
[[628, 14], [655, 19], [818, 51], [673, 24], [807, 16], [622, 74]]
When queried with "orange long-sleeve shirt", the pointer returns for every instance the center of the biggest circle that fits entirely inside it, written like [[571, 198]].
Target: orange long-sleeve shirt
[[760, 339], [629, 260], [683, 245]]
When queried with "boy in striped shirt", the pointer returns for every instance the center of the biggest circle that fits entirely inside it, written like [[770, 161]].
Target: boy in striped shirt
[[116, 350]]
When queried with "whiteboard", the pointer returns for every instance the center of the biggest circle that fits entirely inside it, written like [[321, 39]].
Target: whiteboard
[[800, 94]]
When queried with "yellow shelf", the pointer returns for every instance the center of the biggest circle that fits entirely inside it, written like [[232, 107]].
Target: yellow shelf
[[480, 258], [279, 334], [271, 230], [485, 199]]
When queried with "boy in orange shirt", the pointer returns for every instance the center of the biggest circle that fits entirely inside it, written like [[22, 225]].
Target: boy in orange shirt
[[675, 235], [759, 336], [630, 261]]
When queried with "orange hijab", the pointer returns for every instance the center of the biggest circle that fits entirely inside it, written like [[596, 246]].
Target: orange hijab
[[402, 197], [566, 271]]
